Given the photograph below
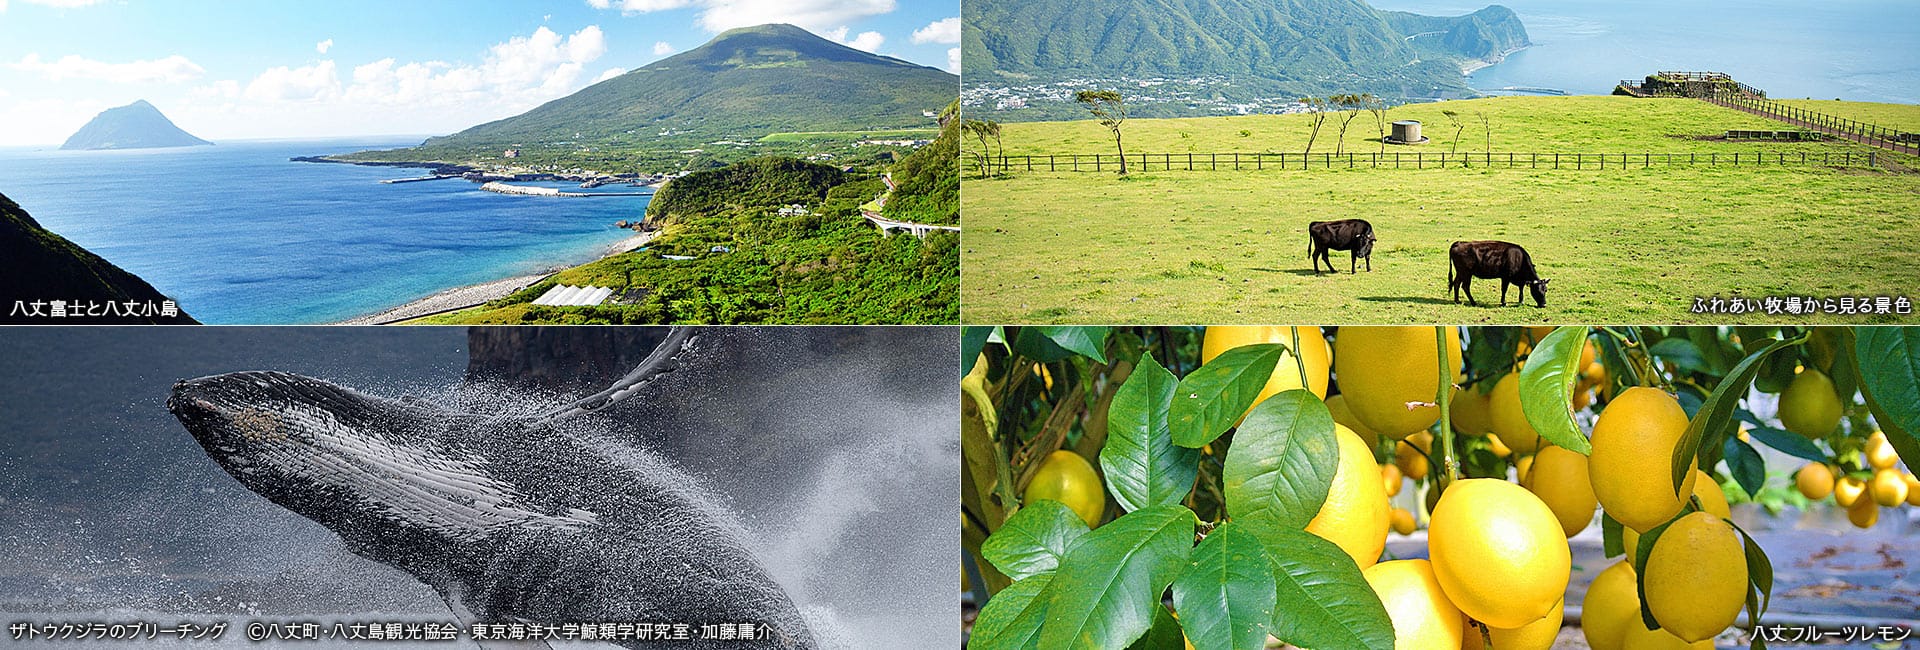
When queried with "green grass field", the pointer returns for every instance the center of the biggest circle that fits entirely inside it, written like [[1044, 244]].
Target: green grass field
[[1905, 117], [1633, 245]]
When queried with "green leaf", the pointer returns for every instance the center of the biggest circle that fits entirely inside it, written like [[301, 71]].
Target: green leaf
[[1746, 466], [1164, 634], [972, 340], [1759, 571], [1789, 442], [1612, 540], [1032, 343], [1104, 593], [1213, 398], [1546, 388], [1143, 466], [1889, 362], [1012, 618], [1227, 592], [1089, 341], [1034, 539], [1321, 598], [1715, 415], [1717, 353], [1682, 353], [1282, 460]]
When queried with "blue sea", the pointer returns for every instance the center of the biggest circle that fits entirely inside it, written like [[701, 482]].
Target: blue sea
[[239, 234], [1858, 50]]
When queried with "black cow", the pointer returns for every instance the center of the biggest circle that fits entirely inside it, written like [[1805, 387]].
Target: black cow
[[1493, 259], [1345, 235]]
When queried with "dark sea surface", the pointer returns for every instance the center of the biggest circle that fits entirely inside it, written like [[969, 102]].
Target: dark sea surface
[[1857, 50], [239, 235]]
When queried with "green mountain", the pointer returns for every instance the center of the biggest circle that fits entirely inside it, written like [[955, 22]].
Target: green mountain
[[135, 126], [745, 83], [39, 265], [1212, 56], [927, 181]]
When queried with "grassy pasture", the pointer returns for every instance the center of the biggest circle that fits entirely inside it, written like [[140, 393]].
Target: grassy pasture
[[1905, 117], [1621, 246]]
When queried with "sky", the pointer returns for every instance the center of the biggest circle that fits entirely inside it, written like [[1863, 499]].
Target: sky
[[350, 68]]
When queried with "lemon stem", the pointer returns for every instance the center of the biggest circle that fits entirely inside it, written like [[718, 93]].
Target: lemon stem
[[1449, 463], [1300, 362]]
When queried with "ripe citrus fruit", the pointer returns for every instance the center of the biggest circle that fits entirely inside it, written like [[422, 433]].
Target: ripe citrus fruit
[[1879, 452], [1509, 421], [1468, 412], [1863, 513], [1559, 478], [1712, 500], [1697, 577], [1809, 406], [1638, 637], [1381, 369], [1815, 481], [1391, 478], [1337, 405], [1889, 488], [1612, 603], [1848, 490], [1913, 490], [1498, 552], [1354, 516], [1410, 461], [1403, 521], [1538, 635], [1421, 614], [1631, 465], [1524, 467], [1498, 448], [1068, 478], [1286, 374]]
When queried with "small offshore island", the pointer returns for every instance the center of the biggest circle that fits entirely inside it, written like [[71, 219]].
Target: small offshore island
[[775, 158], [135, 126]]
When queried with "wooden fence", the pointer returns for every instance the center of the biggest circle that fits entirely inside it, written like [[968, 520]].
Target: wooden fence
[[1417, 160], [1854, 130]]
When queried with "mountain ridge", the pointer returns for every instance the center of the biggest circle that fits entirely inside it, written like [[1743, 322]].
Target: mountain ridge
[[42, 266], [134, 126]]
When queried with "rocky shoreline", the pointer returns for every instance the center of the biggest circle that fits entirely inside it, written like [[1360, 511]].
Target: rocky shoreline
[[586, 179]]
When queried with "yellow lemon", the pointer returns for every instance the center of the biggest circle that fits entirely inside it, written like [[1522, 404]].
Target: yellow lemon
[[1815, 481], [1582, 397], [1498, 552], [1848, 490], [1863, 513], [1498, 448], [1422, 616], [1382, 369], [1523, 468], [1697, 577], [1468, 412], [1809, 406], [1337, 405], [1712, 500], [1403, 521], [1068, 478], [1538, 635], [1509, 422], [1559, 478], [1612, 603], [1411, 462], [1355, 514], [1889, 488], [1391, 478], [1286, 374], [1879, 452], [1539, 332], [1631, 470], [1913, 490], [1638, 637]]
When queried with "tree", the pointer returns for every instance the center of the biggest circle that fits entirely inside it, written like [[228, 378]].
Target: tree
[[1486, 124], [1458, 128], [983, 129], [1316, 116], [1378, 107], [1350, 105], [1111, 109]]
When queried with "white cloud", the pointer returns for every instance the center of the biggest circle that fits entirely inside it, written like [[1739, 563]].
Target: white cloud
[[3, 5], [325, 45], [317, 82], [953, 60], [722, 15], [662, 48], [61, 4], [866, 41], [945, 30], [609, 74], [172, 69], [515, 76]]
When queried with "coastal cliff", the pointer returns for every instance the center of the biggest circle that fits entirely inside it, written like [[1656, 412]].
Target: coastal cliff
[[37, 265]]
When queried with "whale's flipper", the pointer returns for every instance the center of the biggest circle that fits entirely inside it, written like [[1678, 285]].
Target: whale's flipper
[[664, 359], [453, 597]]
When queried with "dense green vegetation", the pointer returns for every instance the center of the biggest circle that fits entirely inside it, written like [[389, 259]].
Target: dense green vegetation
[[1268, 49], [751, 264], [928, 180], [135, 126], [39, 265], [1633, 245]]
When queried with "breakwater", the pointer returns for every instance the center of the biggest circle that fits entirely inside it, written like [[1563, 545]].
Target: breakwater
[[523, 190]]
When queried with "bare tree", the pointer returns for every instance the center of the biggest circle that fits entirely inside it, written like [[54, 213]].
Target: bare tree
[[1350, 106], [981, 130], [1378, 107], [1111, 109], [1316, 116], [1487, 124], [1458, 128]]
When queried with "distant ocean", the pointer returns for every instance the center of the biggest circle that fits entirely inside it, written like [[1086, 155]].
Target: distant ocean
[[238, 234], [1859, 50]]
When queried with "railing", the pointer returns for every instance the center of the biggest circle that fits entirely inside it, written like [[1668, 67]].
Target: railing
[[1854, 130], [1418, 160]]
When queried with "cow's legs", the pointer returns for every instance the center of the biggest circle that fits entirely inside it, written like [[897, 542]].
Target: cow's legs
[[1353, 263], [1313, 256], [1369, 262], [1503, 292], [1466, 282]]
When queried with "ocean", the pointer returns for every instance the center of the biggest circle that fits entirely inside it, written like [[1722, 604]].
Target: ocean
[[1858, 50], [238, 234]]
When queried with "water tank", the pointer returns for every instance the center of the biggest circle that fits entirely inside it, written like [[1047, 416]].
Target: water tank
[[1406, 132]]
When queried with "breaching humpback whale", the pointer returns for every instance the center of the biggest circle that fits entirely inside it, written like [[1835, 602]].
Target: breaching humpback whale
[[509, 519]]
